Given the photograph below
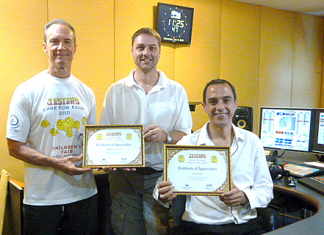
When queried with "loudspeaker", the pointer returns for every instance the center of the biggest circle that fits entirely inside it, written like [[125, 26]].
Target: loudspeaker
[[243, 117]]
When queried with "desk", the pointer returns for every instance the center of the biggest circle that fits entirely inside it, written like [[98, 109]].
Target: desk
[[313, 225]]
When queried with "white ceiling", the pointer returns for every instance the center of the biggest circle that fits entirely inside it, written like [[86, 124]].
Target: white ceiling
[[313, 7]]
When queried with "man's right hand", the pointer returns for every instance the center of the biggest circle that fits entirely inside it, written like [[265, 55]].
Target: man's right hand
[[27, 154], [67, 165], [166, 191]]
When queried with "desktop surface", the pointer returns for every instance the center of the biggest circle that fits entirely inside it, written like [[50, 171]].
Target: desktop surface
[[312, 225], [296, 163], [316, 183]]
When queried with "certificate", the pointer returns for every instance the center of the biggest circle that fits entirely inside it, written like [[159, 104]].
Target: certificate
[[115, 146], [198, 170]]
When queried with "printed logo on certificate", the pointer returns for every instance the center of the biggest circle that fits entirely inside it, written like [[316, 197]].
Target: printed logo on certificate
[[115, 146], [198, 170]]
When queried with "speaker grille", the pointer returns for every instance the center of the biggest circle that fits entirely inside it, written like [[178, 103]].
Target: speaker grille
[[243, 118]]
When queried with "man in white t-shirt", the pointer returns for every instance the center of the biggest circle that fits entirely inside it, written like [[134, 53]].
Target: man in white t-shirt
[[146, 97], [45, 130], [233, 212]]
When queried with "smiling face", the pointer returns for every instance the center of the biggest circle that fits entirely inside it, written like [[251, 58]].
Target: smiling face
[[60, 47], [146, 52], [220, 105]]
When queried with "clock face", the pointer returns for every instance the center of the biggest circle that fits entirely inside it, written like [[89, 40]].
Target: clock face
[[285, 123], [175, 23]]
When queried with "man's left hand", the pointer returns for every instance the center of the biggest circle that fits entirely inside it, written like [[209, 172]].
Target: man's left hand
[[235, 197], [154, 133]]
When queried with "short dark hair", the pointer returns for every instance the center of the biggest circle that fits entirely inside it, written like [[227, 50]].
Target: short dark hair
[[61, 22], [217, 82], [148, 31]]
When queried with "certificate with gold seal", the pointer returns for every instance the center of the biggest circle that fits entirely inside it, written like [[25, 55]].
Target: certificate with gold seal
[[198, 170], [115, 146]]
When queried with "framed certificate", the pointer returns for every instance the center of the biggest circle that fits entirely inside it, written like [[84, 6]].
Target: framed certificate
[[198, 170], [115, 146]]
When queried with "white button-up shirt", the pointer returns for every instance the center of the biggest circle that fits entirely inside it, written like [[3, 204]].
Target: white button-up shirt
[[250, 174]]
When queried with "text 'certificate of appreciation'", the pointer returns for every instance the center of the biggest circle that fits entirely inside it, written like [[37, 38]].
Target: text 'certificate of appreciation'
[[117, 146], [198, 170]]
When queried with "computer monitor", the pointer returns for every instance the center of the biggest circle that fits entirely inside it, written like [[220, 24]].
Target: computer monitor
[[286, 128], [318, 139]]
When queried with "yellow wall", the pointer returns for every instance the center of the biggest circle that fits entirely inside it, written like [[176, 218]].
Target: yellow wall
[[21, 57], [273, 57], [94, 60], [308, 61], [240, 49]]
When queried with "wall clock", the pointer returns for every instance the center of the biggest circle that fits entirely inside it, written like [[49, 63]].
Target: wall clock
[[175, 23]]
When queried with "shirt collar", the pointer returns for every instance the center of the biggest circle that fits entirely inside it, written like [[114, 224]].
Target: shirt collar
[[62, 80], [161, 84], [238, 133], [203, 138]]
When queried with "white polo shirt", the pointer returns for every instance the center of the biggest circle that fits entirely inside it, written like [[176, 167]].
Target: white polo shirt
[[166, 106]]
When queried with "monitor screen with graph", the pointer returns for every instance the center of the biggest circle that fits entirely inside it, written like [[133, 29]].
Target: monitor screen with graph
[[286, 128]]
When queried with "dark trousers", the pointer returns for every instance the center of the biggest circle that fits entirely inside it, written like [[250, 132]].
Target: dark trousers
[[78, 218], [104, 202], [252, 227], [134, 210]]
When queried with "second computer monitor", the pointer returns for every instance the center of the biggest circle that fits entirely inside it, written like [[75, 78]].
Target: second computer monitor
[[318, 141], [286, 128]]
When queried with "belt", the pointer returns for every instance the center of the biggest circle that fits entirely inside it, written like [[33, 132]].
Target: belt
[[146, 170]]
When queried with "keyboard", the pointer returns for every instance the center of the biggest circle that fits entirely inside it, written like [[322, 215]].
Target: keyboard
[[301, 170], [316, 183]]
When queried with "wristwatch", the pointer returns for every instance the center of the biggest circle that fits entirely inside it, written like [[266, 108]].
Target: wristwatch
[[168, 137]]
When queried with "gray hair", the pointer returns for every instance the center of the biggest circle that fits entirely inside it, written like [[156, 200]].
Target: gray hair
[[61, 22]]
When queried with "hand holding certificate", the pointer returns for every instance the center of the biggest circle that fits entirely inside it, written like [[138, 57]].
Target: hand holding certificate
[[116, 146], [198, 170]]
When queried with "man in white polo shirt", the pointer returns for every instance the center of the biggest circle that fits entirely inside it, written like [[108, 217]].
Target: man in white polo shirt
[[146, 97]]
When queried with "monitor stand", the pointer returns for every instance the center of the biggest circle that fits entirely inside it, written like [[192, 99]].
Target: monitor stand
[[273, 156]]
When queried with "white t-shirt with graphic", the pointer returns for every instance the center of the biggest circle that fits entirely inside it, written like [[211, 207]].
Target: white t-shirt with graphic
[[48, 114]]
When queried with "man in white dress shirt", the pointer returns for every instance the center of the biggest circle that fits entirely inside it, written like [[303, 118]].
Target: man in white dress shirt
[[233, 212]]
